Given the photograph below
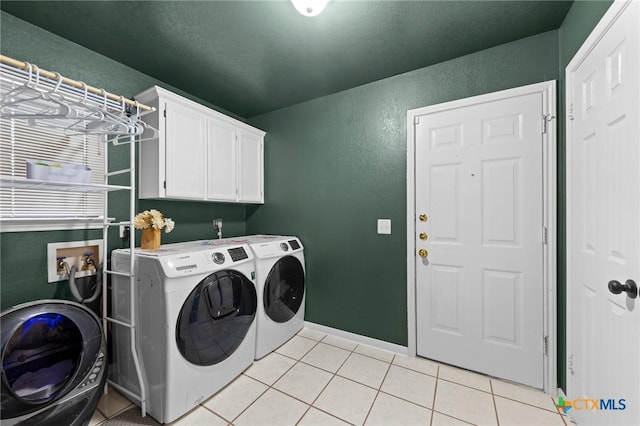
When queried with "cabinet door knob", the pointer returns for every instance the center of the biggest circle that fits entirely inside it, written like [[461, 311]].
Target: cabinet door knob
[[423, 217], [423, 253], [423, 236]]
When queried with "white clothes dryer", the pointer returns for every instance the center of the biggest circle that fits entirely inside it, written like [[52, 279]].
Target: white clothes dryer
[[195, 308], [280, 283]]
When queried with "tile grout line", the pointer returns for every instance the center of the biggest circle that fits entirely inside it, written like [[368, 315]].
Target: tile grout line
[[493, 398], [299, 361], [457, 418], [329, 381], [379, 389], [391, 364], [118, 412], [435, 392], [529, 404], [309, 406], [270, 386]]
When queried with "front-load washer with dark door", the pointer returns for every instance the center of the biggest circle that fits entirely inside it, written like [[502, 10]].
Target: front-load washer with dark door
[[53, 364], [280, 280], [195, 306]]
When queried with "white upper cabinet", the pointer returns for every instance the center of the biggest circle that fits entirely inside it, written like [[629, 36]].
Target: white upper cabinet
[[222, 158], [201, 154], [185, 147], [250, 177]]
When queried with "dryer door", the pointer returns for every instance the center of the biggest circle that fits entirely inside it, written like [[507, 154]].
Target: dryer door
[[216, 317], [284, 289], [46, 349]]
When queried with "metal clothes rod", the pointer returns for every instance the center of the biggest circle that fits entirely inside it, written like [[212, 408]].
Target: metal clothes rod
[[77, 84]]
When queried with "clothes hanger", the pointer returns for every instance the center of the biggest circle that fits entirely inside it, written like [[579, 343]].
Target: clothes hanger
[[105, 122], [43, 104], [34, 101], [139, 127]]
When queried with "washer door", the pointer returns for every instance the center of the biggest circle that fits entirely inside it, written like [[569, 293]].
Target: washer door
[[46, 349], [216, 317], [284, 289]]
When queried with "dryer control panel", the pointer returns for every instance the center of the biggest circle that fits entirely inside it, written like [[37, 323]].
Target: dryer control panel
[[276, 248], [238, 253]]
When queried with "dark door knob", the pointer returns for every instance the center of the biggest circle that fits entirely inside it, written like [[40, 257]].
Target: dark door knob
[[628, 287]]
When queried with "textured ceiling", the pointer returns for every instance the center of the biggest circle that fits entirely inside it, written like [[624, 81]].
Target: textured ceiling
[[250, 57]]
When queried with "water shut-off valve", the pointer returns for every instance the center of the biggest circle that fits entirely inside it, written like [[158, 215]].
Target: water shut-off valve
[[217, 225]]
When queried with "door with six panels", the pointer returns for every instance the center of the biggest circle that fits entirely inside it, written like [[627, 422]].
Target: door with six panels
[[479, 234]]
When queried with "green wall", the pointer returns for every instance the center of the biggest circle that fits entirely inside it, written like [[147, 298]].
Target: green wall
[[23, 274], [578, 24], [336, 164]]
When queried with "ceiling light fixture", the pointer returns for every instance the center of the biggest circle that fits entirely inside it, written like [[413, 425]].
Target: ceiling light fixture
[[310, 7]]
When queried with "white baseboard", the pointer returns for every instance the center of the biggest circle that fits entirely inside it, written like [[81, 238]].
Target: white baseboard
[[380, 344]]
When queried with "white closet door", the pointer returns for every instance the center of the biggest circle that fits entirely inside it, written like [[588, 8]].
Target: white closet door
[[222, 160], [185, 147]]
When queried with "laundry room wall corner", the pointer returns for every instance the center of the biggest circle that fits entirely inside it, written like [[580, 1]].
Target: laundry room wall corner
[[336, 164]]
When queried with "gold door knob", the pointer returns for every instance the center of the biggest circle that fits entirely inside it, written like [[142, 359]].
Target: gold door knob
[[423, 217], [423, 236], [423, 253]]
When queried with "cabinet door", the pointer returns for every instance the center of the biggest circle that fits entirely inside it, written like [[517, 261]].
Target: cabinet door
[[250, 164], [186, 152], [222, 161]]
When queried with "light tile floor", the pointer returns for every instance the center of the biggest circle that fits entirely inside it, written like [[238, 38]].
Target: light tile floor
[[315, 379]]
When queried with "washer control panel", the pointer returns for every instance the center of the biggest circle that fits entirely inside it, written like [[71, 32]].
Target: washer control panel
[[193, 261], [238, 253], [95, 371]]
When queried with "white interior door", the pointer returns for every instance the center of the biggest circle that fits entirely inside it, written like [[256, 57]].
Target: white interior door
[[603, 221], [479, 183]]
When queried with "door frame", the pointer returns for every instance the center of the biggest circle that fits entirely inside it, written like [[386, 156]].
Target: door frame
[[549, 163], [600, 30]]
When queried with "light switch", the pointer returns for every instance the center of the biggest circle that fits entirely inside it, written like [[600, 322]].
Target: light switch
[[384, 226]]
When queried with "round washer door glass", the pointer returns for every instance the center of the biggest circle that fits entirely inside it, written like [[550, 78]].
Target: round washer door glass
[[41, 357], [216, 317], [284, 289]]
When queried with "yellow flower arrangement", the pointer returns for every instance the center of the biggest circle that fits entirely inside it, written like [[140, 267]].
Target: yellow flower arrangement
[[153, 219]]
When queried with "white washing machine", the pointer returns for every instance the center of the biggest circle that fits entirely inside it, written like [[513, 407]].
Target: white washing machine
[[196, 328], [280, 282]]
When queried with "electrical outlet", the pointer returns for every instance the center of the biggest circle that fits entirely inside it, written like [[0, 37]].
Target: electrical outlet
[[384, 226], [124, 231]]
